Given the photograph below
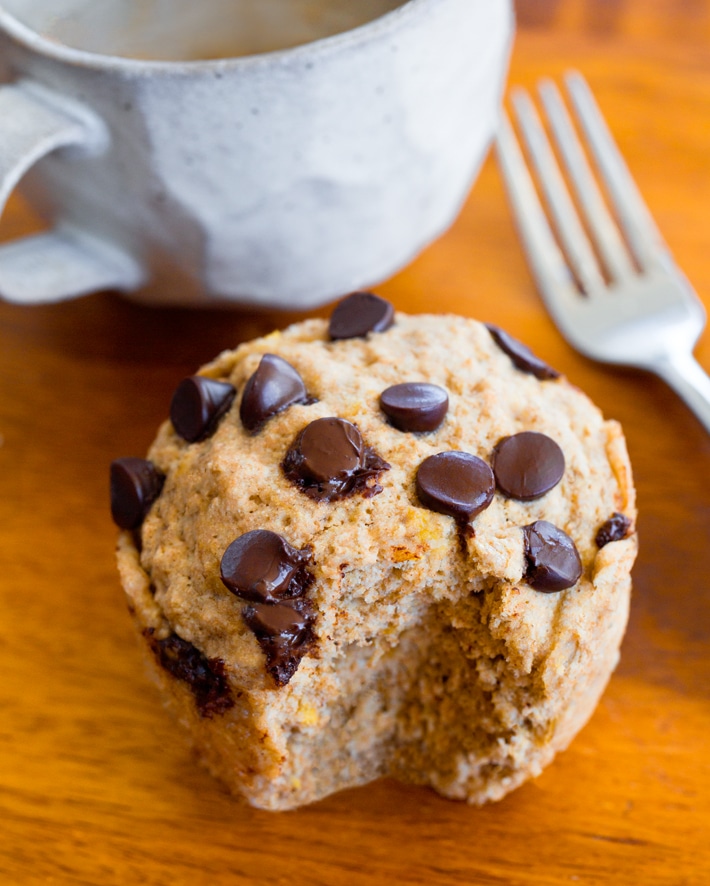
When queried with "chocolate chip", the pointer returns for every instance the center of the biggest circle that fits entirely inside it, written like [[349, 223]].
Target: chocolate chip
[[197, 406], [455, 483], [206, 677], [415, 406], [527, 465], [262, 566], [521, 355], [284, 632], [272, 388], [358, 314], [329, 460], [135, 484], [615, 528], [553, 562]]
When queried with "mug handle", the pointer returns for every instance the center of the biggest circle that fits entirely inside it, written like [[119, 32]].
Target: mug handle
[[65, 262]]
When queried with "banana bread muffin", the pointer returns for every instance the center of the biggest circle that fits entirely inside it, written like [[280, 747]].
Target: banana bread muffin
[[379, 545]]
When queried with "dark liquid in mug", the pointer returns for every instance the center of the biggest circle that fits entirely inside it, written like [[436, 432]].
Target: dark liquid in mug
[[192, 30]]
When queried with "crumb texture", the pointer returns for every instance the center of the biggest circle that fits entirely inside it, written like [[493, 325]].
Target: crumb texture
[[430, 657]]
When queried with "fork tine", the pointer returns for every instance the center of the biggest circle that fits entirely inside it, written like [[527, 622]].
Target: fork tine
[[549, 267], [643, 235], [570, 231], [604, 229]]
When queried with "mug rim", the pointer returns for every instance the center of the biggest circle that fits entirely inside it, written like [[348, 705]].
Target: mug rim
[[34, 41]]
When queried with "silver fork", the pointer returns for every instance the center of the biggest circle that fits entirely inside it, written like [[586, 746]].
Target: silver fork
[[624, 300]]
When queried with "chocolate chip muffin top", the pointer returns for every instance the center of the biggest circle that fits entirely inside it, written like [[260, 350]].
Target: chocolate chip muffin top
[[342, 466]]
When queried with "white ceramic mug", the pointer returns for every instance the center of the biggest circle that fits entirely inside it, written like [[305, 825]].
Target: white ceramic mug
[[176, 168]]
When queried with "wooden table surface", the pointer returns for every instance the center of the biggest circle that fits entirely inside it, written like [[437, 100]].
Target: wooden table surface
[[96, 783]]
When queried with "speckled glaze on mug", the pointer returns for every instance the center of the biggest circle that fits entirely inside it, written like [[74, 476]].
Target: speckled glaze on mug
[[280, 179]]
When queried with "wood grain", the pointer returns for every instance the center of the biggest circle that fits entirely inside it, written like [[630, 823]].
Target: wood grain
[[96, 783]]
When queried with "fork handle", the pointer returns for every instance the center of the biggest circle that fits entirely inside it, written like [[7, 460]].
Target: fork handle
[[689, 380]]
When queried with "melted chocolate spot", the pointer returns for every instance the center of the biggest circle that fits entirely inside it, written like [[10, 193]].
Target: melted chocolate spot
[[272, 388], [615, 528], [329, 460], [197, 406], [455, 483], [415, 406], [527, 465], [206, 677], [553, 562], [284, 632], [135, 484], [521, 355], [358, 314], [263, 567]]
